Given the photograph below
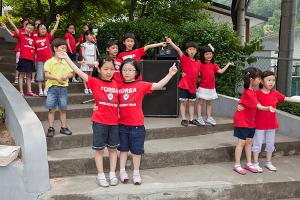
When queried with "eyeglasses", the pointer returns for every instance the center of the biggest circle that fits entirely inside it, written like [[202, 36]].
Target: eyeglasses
[[128, 70]]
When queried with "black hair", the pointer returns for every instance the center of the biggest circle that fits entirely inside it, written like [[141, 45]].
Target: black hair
[[204, 50], [191, 44], [58, 42], [264, 75], [101, 61], [24, 19], [70, 24], [134, 63], [41, 24], [124, 37], [251, 73], [111, 42]]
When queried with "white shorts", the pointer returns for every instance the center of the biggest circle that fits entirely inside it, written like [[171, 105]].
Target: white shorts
[[206, 94], [17, 56]]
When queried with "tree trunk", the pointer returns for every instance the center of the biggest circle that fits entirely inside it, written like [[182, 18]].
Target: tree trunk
[[132, 9], [241, 23]]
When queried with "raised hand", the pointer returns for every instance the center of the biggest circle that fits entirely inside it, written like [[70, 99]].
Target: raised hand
[[3, 25], [57, 17], [231, 63], [168, 40], [173, 70]]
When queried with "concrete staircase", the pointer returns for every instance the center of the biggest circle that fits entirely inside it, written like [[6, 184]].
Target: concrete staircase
[[179, 163]]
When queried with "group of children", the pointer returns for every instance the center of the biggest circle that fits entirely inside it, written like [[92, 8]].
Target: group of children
[[115, 82]]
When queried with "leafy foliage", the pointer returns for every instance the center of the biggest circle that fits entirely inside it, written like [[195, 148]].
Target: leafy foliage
[[293, 108]]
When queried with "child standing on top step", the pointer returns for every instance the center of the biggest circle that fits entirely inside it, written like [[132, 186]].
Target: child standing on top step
[[244, 120], [89, 54], [207, 88], [131, 129], [105, 117], [266, 122], [43, 52], [57, 73], [188, 83], [112, 50], [27, 54]]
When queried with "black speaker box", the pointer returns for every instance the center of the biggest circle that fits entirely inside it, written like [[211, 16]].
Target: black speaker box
[[162, 103]]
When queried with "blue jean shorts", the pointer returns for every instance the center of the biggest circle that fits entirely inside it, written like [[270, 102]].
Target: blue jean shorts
[[40, 74], [243, 133], [132, 138], [57, 97], [105, 136]]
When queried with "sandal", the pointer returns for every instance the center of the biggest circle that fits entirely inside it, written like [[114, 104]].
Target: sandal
[[31, 94], [239, 170]]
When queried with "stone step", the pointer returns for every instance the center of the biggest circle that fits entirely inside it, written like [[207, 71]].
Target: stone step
[[72, 88], [8, 52], [74, 111], [7, 46], [11, 59], [73, 98], [8, 67], [191, 182], [160, 153], [157, 128]]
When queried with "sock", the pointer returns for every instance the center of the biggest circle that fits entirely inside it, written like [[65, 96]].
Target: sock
[[268, 162], [136, 172], [112, 174], [249, 164], [122, 170], [101, 175], [237, 165]]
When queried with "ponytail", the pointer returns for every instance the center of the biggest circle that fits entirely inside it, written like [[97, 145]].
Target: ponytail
[[251, 73]]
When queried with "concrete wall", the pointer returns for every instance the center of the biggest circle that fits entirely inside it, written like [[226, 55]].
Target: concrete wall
[[7, 37], [226, 106], [28, 177]]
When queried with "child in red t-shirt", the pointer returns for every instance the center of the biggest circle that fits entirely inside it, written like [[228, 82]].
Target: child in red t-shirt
[[266, 122], [131, 128], [112, 50], [27, 52], [244, 120], [207, 88], [128, 46], [43, 51], [188, 83], [105, 117]]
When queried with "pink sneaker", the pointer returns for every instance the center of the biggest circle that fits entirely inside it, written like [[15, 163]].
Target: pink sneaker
[[251, 168], [31, 94], [239, 170]]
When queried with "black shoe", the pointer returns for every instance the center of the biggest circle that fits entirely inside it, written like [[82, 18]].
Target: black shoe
[[65, 131], [51, 132], [184, 122], [194, 122]]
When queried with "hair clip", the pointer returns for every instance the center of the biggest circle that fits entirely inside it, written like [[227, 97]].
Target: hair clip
[[211, 47]]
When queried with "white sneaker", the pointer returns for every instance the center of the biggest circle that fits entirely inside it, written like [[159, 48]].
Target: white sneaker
[[45, 93], [137, 180], [201, 121], [113, 181], [32, 81], [74, 80], [211, 121], [259, 169], [124, 176], [270, 166], [102, 182], [86, 91], [16, 80]]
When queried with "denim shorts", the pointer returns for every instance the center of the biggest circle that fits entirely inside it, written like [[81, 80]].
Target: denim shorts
[[40, 75], [132, 138], [185, 95], [57, 97], [243, 133], [105, 136]]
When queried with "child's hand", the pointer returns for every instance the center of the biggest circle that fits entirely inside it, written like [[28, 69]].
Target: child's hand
[[240, 107], [271, 109], [163, 44], [168, 40], [57, 17], [173, 70], [3, 25], [65, 77], [60, 80], [230, 63], [183, 74], [95, 107], [97, 64], [62, 55]]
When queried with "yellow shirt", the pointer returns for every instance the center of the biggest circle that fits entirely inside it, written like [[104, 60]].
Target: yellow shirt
[[57, 69]]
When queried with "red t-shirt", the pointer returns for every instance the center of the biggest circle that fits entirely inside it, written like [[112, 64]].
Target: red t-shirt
[[21, 31], [42, 46], [117, 75], [208, 71], [35, 33], [131, 96], [191, 69], [71, 41], [264, 119], [134, 54], [81, 38], [105, 94], [27, 49], [246, 118]]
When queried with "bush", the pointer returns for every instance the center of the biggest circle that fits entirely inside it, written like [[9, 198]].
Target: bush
[[2, 114], [292, 108]]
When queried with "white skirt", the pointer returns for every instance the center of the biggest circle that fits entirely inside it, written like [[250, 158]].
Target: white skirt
[[86, 68], [206, 94]]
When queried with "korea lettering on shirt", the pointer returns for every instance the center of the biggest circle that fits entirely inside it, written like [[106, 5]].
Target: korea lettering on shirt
[[109, 100], [126, 93]]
